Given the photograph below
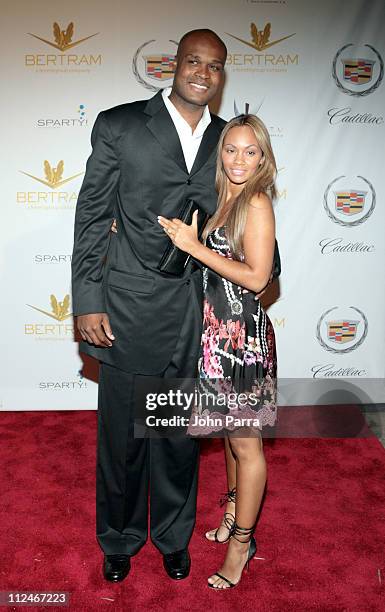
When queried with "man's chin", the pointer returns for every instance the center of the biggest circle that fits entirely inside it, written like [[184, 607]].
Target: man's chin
[[194, 99], [198, 100]]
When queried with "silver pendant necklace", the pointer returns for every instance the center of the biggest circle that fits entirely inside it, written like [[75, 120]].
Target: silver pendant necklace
[[235, 303]]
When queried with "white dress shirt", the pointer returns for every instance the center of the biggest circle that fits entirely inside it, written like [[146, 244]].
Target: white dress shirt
[[189, 140]]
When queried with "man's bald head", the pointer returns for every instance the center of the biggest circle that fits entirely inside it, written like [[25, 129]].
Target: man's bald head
[[199, 71], [202, 33]]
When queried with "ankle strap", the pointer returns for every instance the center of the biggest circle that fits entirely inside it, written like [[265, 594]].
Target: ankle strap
[[246, 533], [228, 520], [229, 496]]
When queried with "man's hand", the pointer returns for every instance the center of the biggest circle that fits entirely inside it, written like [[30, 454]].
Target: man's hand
[[95, 329]]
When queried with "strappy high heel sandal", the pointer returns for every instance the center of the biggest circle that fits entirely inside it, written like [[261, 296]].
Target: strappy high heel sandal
[[228, 520], [243, 532]]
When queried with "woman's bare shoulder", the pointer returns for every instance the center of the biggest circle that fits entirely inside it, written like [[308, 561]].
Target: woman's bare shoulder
[[260, 201]]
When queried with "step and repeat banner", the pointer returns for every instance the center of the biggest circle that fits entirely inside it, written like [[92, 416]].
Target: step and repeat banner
[[313, 71]]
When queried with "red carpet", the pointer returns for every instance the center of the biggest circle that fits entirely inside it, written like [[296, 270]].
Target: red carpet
[[321, 533]]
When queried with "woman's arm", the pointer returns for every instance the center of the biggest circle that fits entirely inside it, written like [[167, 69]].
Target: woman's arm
[[258, 242]]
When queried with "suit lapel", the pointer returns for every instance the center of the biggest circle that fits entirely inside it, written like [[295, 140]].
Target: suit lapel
[[208, 144], [163, 129]]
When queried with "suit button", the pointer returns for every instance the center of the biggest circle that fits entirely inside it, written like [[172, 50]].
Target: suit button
[[188, 181], [188, 282]]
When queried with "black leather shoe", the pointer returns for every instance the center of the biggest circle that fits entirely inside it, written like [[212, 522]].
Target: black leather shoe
[[177, 564], [116, 567]]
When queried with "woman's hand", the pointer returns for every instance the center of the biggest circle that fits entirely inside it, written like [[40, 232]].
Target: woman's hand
[[184, 236], [113, 228]]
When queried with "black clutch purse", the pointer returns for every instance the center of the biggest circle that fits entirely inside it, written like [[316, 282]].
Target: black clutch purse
[[174, 261]]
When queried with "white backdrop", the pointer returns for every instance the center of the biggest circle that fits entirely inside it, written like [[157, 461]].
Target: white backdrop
[[314, 76]]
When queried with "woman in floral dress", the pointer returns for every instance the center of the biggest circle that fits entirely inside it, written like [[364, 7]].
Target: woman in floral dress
[[238, 358]]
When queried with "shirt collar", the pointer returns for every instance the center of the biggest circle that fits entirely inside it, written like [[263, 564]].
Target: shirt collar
[[204, 121]]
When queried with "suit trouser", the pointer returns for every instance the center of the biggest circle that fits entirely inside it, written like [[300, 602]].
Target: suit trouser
[[129, 470]]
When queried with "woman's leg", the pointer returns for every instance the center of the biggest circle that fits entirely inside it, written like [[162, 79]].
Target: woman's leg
[[223, 530], [250, 484]]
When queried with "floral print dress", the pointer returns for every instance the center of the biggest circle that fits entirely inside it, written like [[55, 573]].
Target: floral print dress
[[238, 354]]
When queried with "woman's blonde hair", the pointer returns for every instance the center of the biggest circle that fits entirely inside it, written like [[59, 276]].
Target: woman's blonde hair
[[262, 181]]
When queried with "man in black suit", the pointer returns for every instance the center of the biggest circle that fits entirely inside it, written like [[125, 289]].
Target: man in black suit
[[148, 157]]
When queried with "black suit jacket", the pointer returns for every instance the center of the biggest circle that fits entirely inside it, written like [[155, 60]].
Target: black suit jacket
[[136, 171]]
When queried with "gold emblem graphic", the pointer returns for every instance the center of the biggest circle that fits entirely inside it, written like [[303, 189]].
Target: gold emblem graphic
[[53, 176], [59, 309], [63, 38], [260, 38]]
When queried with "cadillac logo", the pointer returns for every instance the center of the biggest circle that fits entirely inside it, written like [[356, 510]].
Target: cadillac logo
[[358, 70], [347, 203], [350, 202], [157, 67], [160, 67], [360, 73], [343, 331]]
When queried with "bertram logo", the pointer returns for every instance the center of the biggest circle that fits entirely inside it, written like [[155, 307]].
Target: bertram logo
[[266, 62], [60, 312], [260, 38], [357, 70], [63, 38], [53, 176], [62, 41], [155, 68], [343, 331], [349, 202], [53, 179], [71, 120]]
